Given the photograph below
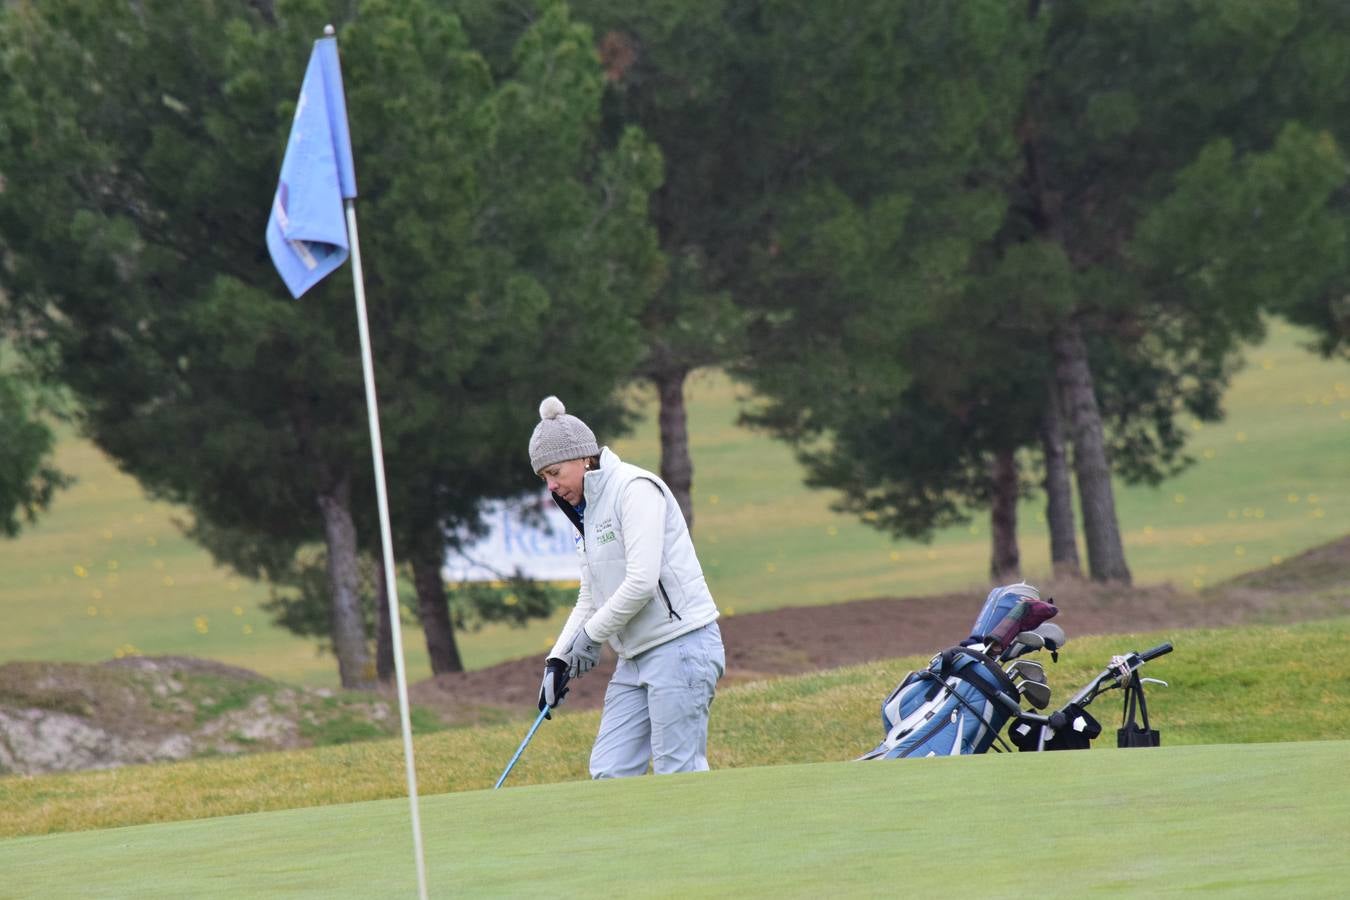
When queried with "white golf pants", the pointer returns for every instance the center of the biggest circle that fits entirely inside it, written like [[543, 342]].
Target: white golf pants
[[656, 708]]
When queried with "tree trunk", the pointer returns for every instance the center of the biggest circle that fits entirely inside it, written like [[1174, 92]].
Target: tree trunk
[[348, 628], [1005, 560], [434, 611], [384, 629], [1106, 553], [677, 469], [1058, 490]]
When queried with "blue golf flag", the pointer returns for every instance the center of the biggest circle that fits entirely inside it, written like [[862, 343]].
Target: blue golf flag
[[307, 230]]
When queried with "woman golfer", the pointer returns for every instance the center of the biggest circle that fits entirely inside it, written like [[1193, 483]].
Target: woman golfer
[[643, 592]]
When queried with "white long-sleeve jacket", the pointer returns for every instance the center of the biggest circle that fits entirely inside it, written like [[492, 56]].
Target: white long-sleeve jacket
[[641, 582]]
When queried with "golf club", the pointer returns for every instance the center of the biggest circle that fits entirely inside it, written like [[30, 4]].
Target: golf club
[[1025, 668], [1037, 693], [1024, 643], [1051, 635], [543, 714], [1054, 638]]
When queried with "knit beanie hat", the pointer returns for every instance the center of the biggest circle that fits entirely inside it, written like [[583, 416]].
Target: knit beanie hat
[[559, 437]]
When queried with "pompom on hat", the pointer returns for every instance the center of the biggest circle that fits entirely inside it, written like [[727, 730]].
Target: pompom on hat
[[559, 437]]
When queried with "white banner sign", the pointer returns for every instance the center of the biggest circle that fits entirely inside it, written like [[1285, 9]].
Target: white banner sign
[[530, 535]]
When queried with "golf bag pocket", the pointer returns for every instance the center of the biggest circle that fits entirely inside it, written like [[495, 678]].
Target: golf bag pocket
[[952, 708], [1132, 733], [1076, 731]]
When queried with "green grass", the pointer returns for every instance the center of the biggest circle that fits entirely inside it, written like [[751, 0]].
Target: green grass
[[1247, 685], [107, 572], [1239, 821]]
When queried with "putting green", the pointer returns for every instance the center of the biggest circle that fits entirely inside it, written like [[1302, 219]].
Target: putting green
[[1237, 820]]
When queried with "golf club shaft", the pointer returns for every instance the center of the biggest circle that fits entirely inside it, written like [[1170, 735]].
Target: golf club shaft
[[543, 713]]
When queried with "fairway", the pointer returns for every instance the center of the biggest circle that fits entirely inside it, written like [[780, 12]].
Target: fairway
[[1234, 820]]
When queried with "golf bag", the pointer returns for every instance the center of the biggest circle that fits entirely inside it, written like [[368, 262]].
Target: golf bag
[[956, 706]]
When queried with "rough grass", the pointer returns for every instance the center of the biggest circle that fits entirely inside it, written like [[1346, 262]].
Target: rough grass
[[1245, 685], [146, 709]]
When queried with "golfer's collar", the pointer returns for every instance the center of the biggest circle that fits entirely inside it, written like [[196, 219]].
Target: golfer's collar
[[594, 481]]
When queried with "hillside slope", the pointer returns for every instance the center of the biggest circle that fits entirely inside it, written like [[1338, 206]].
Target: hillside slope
[[1313, 585], [68, 716]]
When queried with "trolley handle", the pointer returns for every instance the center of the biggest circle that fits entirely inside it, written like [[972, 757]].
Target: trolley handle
[[1160, 650]]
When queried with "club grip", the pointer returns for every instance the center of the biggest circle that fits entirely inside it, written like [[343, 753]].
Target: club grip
[[1160, 650]]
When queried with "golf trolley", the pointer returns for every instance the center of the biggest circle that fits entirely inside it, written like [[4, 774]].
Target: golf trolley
[[961, 702], [1072, 727]]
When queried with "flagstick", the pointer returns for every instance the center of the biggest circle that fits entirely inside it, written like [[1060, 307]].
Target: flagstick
[[386, 540]]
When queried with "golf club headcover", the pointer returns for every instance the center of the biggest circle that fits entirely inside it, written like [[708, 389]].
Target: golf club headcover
[[1026, 615], [998, 605], [554, 687]]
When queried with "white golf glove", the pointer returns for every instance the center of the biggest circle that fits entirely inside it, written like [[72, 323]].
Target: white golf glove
[[582, 654]]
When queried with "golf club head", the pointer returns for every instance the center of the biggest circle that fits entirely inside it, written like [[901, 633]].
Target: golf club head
[[1027, 669], [1052, 636], [1024, 643], [1036, 693]]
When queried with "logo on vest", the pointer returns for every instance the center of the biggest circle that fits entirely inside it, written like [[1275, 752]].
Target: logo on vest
[[607, 538]]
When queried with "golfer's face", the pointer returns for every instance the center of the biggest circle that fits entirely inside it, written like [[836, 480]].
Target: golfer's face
[[565, 479]]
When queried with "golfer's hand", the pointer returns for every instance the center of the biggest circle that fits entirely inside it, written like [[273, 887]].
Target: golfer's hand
[[554, 687], [582, 655]]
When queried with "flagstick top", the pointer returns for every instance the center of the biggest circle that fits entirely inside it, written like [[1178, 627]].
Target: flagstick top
[[328, 31]]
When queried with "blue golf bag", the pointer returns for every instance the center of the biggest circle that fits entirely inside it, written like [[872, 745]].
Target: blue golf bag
[[956, 706]]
